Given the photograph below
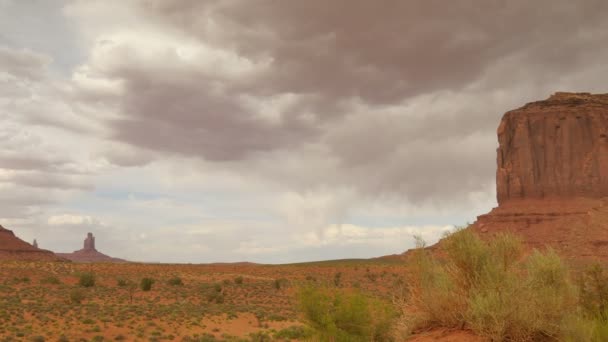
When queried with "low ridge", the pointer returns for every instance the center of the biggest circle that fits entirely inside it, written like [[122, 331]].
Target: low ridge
[[13, 248]]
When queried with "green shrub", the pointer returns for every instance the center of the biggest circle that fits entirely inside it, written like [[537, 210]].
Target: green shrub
[[175, 281], [87, 279], [238, 280], [51, 280], [280, 283], [491, 288], [338, 279], [76, 296], [146, 284], [593, 284], [121, 282], [260, 336], [295, 332], [213, 293], [346, 316], [21, 280]]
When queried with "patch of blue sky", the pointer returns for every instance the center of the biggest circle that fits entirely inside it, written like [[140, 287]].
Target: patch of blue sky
[[29, 24]]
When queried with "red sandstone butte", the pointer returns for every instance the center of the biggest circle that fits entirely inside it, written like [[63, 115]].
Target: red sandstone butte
[[13, 248], [88, 253], [554, 148], [552, 175]]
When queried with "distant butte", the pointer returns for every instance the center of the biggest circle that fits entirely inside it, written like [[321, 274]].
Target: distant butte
[[89, 253], [552, 175], [13, 248]]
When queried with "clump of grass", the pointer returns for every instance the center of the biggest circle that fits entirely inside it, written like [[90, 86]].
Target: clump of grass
[[76, 296], [593, 284], [175, 281], [280, 283], [146, 284], [87, 279], [346, 316], [50, 280], [295, 332]]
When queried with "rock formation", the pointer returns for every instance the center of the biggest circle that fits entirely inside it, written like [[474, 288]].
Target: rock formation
[[88, 253], [13, 248], [35, 243], [89, 242], [552, 175], [554, 148]]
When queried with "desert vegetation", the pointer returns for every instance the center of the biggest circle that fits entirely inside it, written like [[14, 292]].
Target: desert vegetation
[[500, 291], [54, 301]]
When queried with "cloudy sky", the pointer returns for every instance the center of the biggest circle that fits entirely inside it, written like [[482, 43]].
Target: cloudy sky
[[270, 131]]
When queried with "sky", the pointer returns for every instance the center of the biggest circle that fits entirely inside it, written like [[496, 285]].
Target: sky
[[200, 131]]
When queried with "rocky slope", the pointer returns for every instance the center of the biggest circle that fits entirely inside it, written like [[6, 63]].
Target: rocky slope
[[13, 248], [89, 253], [552, 175]]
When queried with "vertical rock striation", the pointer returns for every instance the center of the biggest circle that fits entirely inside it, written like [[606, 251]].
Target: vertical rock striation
[[554, 148], [89, 242]]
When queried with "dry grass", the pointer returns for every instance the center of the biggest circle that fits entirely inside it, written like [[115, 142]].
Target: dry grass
[[493, 289]]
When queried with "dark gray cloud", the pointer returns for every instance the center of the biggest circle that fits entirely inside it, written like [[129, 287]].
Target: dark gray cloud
[[395, 96], [386, 51]]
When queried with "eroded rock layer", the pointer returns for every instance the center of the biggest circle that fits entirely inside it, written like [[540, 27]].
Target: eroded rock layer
[[554, 148], [552, 176]]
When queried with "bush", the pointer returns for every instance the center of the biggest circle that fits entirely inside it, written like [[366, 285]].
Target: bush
[[175, 281], [76, 296], [295, 332], [280, 283], [593, 284], [87, 279], [346, 316], [338, 279], [51, 280], [121, 282], [238, 280], [490, 288], [146, 284], [213, 293]]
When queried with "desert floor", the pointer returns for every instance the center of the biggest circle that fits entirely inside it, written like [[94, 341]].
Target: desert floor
[[43, 301]]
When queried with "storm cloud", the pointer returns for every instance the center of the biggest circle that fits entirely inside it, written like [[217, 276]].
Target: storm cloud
[[331, 106]]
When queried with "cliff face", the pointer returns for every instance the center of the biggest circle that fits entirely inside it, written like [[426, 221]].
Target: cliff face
[[556, 148], [13, 248]]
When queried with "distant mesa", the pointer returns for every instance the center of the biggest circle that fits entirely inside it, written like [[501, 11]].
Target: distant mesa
[[552, 175], [88, 253], [13, 248]]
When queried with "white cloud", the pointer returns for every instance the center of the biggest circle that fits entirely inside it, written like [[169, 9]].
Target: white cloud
[[71, 220], [373, 237]]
